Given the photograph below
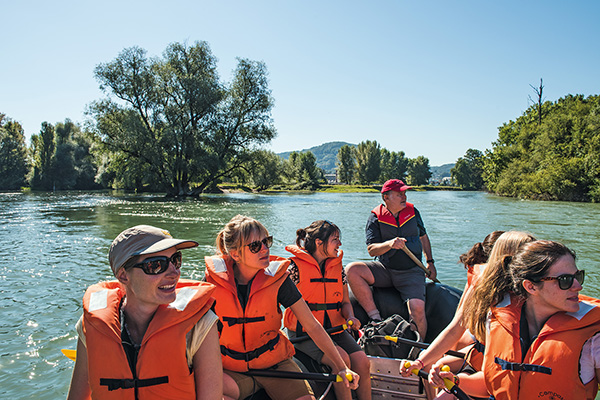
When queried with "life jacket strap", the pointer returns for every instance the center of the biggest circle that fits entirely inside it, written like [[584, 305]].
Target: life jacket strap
[[233, 321], [480, 347], [325, 306], [324, 280], [114, 384], [510, 366], [250, 355]]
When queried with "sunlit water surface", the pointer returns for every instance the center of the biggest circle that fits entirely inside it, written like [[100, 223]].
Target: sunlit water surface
[[54, 245]]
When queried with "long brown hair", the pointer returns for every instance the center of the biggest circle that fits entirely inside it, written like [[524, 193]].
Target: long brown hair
[[479, 253], [493, 283], [237, 232]]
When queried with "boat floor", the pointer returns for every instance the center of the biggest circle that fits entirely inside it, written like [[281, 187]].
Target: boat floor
[[387, 383]]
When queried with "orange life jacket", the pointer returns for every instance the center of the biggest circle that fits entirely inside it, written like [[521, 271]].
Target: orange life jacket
[[251, 337], [162, 370], [323, 293], [550, 369]]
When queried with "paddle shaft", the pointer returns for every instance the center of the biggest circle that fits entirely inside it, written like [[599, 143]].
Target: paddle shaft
[[419, 263], [421, 345], [333, 329], [312, 376]]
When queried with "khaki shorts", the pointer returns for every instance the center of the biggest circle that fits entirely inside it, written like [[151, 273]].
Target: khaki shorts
[[276, 388]]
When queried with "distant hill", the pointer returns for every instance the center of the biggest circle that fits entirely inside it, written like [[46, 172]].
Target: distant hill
[[442, 171], [325, 154]]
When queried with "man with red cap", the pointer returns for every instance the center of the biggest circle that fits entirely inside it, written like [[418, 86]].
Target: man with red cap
[[391, 227]]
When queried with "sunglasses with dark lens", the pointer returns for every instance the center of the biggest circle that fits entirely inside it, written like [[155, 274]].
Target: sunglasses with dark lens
[[256, 246], [159, 264], [565, 281]]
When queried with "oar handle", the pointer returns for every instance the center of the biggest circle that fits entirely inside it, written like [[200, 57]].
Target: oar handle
[[419, 263], [70, 353], [340, 379]]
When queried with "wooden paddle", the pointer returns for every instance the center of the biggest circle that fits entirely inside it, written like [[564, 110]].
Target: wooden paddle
[[419, 263]]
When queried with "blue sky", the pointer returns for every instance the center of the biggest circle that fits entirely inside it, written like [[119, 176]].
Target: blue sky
[[430, 78]]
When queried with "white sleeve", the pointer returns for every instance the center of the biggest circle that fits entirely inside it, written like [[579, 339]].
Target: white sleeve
[[196, 336], [79, 328], [590, 359]]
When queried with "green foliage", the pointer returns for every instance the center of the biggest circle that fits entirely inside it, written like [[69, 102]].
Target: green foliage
[[14, 164], [301, 170], [266, 170], [394, 165], [418, 171], [368, 162], [558, 159], [170, 121], [62, 158], [468, 171], [346, 167]]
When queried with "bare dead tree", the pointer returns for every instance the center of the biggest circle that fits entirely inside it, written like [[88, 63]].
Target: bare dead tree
[[540, 99]]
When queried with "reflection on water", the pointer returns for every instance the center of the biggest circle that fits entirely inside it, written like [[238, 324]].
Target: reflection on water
[[54, 245]]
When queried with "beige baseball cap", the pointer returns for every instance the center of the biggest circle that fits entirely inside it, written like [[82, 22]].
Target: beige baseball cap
[[142, 239]]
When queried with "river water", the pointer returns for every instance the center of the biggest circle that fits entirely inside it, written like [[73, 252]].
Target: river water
[[54, 245]]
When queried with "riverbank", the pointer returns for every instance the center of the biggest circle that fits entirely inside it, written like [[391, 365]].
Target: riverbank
[[337, 188]]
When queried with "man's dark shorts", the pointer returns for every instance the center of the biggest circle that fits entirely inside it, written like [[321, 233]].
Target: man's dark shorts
[[410, 283]]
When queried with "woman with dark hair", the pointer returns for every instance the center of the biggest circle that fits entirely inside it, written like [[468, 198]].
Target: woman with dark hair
[[478, 256], [251, 286], [540, 333], [316, 268]]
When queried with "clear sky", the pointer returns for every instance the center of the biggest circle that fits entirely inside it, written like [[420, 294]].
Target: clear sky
[[430, 78]]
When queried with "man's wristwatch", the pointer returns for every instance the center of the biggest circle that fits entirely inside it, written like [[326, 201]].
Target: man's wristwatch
[[431, 260]]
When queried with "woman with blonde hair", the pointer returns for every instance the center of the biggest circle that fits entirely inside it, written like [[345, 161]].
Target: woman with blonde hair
[[251, 286], [541, 335], [456, 332]]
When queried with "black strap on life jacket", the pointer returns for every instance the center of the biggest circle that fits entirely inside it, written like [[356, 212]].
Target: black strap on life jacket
[[325, 306], [480, 347], [250, 355], [324, 280], [510, 366], [114, 384], [233, 321]]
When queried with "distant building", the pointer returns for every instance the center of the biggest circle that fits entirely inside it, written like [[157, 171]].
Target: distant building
[[331, 178]]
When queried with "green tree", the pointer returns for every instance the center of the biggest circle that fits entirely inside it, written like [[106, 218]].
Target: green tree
[[302, 170], [346, 167], [418, 171], [468, 170], [368, 162], [394, 165], [43, 148], [266, 169], [14, 164], [173, 116], [557, 159]]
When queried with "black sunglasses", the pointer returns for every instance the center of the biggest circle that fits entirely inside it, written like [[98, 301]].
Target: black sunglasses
[[565, 281], [256, 246], [159, 264]]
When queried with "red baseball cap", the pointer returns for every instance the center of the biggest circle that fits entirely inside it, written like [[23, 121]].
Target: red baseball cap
[[395, 185]]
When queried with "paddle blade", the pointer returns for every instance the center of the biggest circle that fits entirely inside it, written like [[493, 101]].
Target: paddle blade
[[70, 354]]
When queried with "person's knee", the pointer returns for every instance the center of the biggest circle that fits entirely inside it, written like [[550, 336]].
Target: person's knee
[[230, 387], [357, 272], [360, 361], [416, 308]]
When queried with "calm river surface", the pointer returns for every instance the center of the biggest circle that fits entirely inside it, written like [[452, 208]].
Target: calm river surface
[[53, 246]]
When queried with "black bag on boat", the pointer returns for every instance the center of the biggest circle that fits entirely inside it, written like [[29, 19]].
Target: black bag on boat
[[373, 340]]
